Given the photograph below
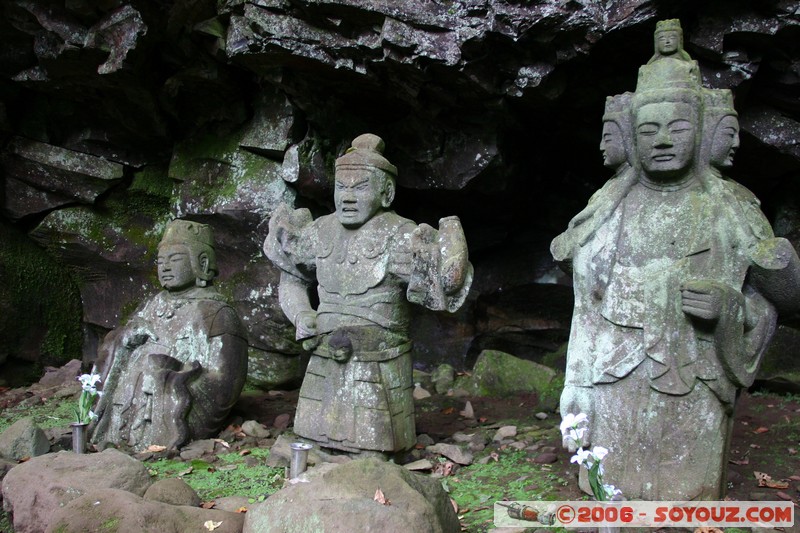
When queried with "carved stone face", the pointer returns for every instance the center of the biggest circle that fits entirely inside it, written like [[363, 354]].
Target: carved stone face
[[667, 42], [611, 145], [725, 142], [359, 195], [665, 139], [175, 271]]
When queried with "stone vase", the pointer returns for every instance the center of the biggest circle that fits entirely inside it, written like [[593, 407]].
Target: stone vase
[[79, 435]]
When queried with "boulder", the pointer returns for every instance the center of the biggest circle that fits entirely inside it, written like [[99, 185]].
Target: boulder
[[500, 374], [33, 491], [343, 499], [173, 491], [118, 510], [443, 378], [453, 452], [23, 439]]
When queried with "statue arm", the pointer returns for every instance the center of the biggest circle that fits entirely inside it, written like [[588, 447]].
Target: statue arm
[[441, 273], [293, 295]]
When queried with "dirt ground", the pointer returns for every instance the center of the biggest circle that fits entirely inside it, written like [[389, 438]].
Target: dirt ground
[[766, 434]]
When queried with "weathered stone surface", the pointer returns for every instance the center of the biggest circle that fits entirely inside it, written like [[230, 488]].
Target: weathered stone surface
[[500, 374], [453, 452], [505, 432], [98, 509], [342, 500], [670, 319], [255, 429], [443, 378], [23, 439], [33, 491], [780, 370], [368, 264], [273, 127], [173, 372], [172, 491]]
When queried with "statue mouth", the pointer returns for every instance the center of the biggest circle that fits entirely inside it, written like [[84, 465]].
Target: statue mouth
[[663, 158]]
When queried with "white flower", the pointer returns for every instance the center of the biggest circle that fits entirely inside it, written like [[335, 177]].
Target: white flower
[[571, 421], [92, 415], [581, 456], [611, 491], [599, 453]]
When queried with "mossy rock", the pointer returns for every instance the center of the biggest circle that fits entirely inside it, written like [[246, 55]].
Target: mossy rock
[[500, 374]]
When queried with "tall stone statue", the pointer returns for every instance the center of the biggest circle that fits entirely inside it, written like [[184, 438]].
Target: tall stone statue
[[367, 263], [175, 369], [678, 279]]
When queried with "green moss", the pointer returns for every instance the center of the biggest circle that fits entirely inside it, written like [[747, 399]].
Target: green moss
[[58, 412], [40, 299], [153, 181], [6, 525], [231, 476], [111, 525]]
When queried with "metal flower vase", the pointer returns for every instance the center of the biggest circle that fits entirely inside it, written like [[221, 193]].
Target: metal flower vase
[[79, 435]]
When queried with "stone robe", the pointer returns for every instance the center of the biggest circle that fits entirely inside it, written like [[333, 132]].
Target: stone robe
[[182, 382], [636, 363]]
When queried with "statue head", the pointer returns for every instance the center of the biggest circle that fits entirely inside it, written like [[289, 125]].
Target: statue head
[[721, 127], [186, 256], [668, 37], [666, 126], [364, 181], [616, 142]]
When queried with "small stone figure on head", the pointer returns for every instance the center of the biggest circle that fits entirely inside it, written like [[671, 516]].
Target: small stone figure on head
[[175, 369], [367, 264], [678, 279]]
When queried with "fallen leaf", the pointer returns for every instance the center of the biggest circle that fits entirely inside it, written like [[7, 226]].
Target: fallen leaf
[[211, 525], [448, 410], [495, 456], [783, 496], [755, 446], [765, 480], [208, 505], [482, 420], [25, 459], [245, 452], [155, 448], [455, 505], [792, 451], [794, 478], [444, 468], [380, 498], [760, 430], [224, 443], [185, 472], [740, 462], [242, 509]]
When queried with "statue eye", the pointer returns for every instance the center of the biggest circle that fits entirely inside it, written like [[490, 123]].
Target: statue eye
[[648, 130], [362, 186]]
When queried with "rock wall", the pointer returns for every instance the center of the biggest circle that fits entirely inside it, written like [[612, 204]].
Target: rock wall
[[120, 115]]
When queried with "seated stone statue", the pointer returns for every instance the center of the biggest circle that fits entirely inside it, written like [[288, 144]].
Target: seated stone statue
[[173, 372], [678, 279], [367, 263]]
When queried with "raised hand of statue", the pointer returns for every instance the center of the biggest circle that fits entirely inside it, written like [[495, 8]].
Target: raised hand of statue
[[453, 247], [706, 299]]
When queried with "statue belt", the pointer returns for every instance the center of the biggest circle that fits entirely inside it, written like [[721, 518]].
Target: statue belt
[[365, 356]]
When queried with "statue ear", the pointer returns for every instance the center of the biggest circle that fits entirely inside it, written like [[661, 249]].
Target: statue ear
[[202, 259], [388, 192]]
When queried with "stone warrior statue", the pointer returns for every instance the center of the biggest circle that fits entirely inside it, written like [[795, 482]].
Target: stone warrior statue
[[173, 372], [367, 262], [678, 279]]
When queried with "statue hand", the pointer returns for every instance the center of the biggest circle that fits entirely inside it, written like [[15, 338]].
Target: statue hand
[[705, 299], [306, 324], [136, 335], [422, 236]]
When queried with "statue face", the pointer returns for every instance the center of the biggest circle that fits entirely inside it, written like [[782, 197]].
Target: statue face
[[725, 142], [611, 145], [175, 271], [665, 139], [358, 196], [667, 42]]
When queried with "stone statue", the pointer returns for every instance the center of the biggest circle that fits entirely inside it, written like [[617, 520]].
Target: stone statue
[[175, 369], [678, 279], [367, 263]]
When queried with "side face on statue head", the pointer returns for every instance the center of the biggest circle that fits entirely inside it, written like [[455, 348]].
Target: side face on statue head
[[665, 139], [612, 145], [360, 194], [725, 142]]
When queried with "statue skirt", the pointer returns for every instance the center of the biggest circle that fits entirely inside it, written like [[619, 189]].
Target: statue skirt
[[357, 405], [661, 446]]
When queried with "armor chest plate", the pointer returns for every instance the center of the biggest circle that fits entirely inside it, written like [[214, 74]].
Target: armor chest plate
[[353, 261]]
